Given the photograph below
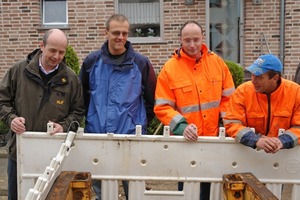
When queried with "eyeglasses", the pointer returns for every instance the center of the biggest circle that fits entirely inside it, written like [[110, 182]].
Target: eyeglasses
[[118, 33], [189, 41]]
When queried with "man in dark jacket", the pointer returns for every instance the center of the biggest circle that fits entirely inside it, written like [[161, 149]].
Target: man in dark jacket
[[38, 90], [118, 86]]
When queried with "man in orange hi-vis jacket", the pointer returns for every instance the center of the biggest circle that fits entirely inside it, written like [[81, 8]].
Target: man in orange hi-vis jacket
[[268, 103], [193, 87], [192, 90]]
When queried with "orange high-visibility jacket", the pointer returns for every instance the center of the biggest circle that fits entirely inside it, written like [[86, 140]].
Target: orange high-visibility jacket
[[188, 91], [249, 109]]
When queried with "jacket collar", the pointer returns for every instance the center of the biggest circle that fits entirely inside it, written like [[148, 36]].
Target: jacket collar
[[32, 69]]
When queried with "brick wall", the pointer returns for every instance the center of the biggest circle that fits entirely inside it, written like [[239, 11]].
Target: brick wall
[[21, 31], [292, 37], [265, 19]]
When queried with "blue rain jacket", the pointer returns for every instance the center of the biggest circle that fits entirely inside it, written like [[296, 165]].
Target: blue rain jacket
[[117, 96]]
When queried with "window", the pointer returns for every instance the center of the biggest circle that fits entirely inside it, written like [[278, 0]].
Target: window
[[144, 17], [226, 28], [55, 12]]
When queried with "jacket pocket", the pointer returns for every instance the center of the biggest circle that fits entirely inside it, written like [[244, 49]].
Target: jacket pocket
[[133, 111], [58, 107], [215, 87], [281, 119], [183, 90], [257, 122]]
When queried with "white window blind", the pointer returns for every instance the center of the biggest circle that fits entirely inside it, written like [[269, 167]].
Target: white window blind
[[141, 13]]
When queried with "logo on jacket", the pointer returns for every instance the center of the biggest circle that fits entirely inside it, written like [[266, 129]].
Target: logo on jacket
[[60, 102]]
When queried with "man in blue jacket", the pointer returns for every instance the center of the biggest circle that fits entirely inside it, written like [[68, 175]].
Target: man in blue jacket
[[118, 86]]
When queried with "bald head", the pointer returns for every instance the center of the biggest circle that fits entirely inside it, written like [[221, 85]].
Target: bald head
[[56, 35]]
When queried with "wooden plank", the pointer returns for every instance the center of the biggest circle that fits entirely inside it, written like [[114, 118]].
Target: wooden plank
[[245, 186], [256, 189], [61, 187], [71, 185]]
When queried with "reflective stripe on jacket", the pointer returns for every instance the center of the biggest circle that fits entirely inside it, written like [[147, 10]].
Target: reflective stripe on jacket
[[249, 109], [193, 92]]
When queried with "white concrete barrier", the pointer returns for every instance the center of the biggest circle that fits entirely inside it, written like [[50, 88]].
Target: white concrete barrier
[[139, 158]]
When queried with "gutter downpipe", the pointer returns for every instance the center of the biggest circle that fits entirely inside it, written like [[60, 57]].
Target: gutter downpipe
[[282, 23]]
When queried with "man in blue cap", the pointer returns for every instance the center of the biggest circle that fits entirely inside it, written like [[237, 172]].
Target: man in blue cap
[[264, 113]]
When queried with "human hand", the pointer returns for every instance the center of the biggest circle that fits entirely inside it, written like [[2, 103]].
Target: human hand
[[279, 144], [57, 128], [17, 125], [269, 144], [190, 132]]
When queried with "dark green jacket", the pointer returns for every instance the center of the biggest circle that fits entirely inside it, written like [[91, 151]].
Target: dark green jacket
[[23, 94]]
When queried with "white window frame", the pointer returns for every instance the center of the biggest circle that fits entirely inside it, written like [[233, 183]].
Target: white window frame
[[54, 23], [147, 39]]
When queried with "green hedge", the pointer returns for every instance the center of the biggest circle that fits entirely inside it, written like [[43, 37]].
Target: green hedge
[[3, 128], [236, 71], [72, 59], [3, 131]]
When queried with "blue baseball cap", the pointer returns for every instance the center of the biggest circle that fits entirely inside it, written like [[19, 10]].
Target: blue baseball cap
[[264, 64]]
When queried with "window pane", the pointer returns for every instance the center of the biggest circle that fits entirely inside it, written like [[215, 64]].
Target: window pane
[[143, 15], [55, 12], [224, 28]]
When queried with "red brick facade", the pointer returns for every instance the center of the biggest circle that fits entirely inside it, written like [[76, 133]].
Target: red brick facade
[[21, 31]]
